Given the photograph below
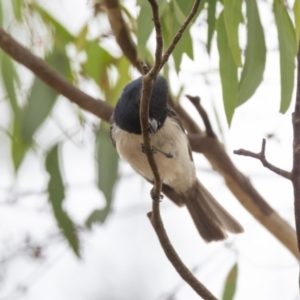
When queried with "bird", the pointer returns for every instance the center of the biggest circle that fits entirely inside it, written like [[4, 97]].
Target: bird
[[173, 156]]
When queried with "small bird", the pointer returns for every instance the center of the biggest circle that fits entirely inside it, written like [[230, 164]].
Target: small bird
[[173, 157]]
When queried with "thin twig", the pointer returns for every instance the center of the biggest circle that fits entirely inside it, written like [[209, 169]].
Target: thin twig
[[262, 157], [296, 153], [155, 218], [196, 102], [184, 272], [180, 32]]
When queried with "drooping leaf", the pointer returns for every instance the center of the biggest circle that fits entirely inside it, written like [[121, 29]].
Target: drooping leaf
[[145, 26], [59, 60], [232, 19], [40, 102], [62, 35], [17, 8], [211, 22], [98, 60], [82, 38], [185, 7], [42, 98], [168, 23], [288, 50], [56, 192], [185, 45], [228, 70], [296, 9], [230, 284], [1, 14], [107, 161], [255, 55], [19, 148], [122, 65], [10, 78]]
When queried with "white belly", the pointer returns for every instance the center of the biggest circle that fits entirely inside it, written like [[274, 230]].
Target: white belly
[[177, 172]]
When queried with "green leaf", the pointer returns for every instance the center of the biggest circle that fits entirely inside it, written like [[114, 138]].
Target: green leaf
[[288, 50], [145, 26], [228, 70], [1, 14], [107, 160], [18, 147], [98, 60], [211, 22], [62, 36], [185, 45], [230, 285], [81, 38], [185, 7], [232, 19], [56, 192], [296, 10], [122, 65], [59, 60], [255, 55], [10, 78], [40, 102], [17, 8], [42, 98]]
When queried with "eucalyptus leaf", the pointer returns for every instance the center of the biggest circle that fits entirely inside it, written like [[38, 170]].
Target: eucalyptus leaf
[[1, 14], [18, 147], [296, 10], [232, 19], [62, 35], [255, 54], [56, 191], [228, 70], [81, 39], [10, 79], [98, 60], [185, 7], [230, 284], [145, 26], [40, 102], [211, 22], [287, 52], [17, 8], [107, 162]]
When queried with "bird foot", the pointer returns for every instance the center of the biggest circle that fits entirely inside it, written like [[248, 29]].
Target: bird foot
[[154, 150], [154, 198]]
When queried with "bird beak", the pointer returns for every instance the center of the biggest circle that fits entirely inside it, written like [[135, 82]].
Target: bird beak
[[152, 126]]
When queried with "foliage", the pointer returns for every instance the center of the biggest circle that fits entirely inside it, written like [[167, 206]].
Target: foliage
[[241, 72]]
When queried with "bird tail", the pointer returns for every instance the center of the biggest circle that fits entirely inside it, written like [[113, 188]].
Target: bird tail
[[210, 218]]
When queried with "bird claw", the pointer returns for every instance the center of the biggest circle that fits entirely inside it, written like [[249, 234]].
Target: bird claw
[[152, 150], [154, 198], [155, 150]]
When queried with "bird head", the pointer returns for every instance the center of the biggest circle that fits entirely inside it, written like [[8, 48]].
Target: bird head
[[126, 113]]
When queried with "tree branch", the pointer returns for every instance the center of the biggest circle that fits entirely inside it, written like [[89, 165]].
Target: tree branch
[[181, 269], [53, 78], [196, 102], [262, 157], [154, 216], [239, 185]]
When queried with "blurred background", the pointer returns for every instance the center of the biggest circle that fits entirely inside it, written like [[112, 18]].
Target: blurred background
[[115, 254]]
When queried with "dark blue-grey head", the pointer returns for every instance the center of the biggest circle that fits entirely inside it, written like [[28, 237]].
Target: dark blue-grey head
[[126, 113]]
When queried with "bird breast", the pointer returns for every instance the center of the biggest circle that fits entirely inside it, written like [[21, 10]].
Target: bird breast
[[178, 172]]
